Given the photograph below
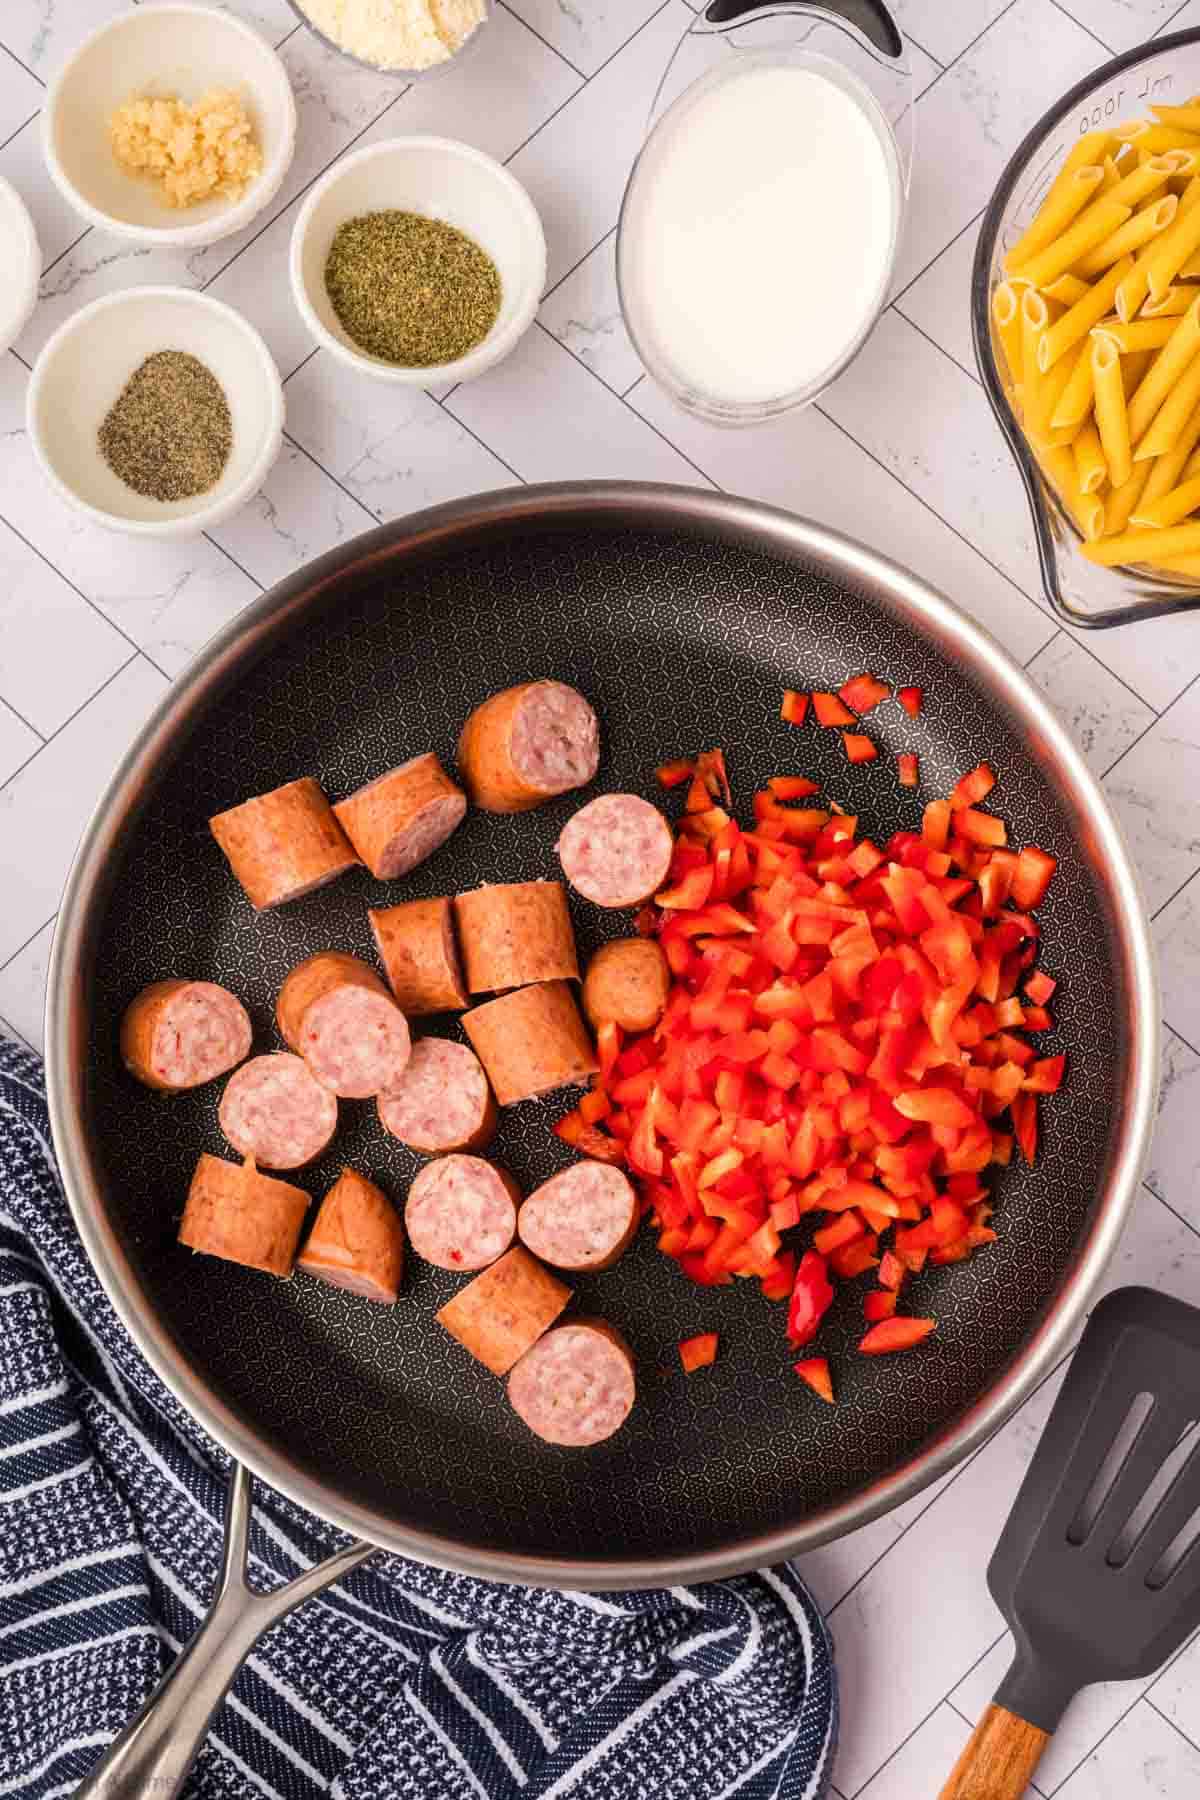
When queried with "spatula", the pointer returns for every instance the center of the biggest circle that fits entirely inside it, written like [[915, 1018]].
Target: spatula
[[1098, 1568]]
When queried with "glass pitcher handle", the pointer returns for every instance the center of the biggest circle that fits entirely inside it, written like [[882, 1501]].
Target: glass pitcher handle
[[870, 17]]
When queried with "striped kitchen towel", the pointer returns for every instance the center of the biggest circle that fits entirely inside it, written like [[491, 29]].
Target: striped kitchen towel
[[402, 1680]]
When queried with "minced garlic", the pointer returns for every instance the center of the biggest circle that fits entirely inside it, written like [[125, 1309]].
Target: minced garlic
[[195, 152], [397, 34]]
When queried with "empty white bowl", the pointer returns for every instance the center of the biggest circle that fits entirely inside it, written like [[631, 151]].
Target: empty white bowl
[[21, 260], [179, 50], [87, 362], [441, 179]]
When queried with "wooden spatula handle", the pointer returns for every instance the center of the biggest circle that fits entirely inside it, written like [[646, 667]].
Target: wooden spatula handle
[[999, 1760]]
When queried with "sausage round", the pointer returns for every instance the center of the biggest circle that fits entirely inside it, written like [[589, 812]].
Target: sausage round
[[526, 744], [616, 850], [531, 1042], [417, 948], [442, 1102], [461, 1212], [236, 1213], [400, 818], [275, 1110], [514, 933], [584, 1218], [336, 1013], [283, 844], [357, 1240], [576, 1386], [503, 1312], [178, 1034], [627, 984]]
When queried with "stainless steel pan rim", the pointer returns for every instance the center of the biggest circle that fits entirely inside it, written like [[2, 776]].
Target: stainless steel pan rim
[[612, 503]]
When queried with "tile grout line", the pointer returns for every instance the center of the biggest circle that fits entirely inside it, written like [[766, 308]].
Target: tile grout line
[[553, 289], [463, 426], [965, 51], [1162, 716], [1095, 37], [86, 598], [20, 128], [1170, 897], [21, 948], [936, 60], [948, 354], [550, 117], [912, 282], [58, 731], [553, 48], [8, 1025], [230, 557], [28, 723], [1167, 1719], [32, 73], [302, 364], [1175, 1213], [921, 1723]]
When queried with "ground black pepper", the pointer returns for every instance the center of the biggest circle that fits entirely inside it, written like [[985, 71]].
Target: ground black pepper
[[411, 290], [169, 432]]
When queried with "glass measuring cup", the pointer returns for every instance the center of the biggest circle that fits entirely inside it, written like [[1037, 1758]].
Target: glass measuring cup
[[1166, 71], [853, 43]]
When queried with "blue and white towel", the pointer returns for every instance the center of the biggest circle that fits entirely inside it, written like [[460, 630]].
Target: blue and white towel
[[400, 1681]]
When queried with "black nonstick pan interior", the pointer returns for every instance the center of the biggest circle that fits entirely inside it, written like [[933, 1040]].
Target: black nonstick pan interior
[[682, 640]]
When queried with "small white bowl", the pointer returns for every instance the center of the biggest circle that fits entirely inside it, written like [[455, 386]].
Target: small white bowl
[[467, 48], [21, 259], [163, 50], [87, 362], [441, 179]]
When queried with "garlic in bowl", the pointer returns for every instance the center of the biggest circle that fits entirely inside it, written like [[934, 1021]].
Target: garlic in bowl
[[156, 411], [172, 124], [390, 261]]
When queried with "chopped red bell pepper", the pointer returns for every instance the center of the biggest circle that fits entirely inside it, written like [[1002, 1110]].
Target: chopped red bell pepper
[[880, 1303], [895, 1334], [910, 769], [859, 749], [910, 699], [699, 1351], [812, 1296], [829, 710], [981, 828], [1040, 987], [863, 692], [670, 774], [970, 789], [794, 708], [815, 1371], [1032, 876], [792, 787]]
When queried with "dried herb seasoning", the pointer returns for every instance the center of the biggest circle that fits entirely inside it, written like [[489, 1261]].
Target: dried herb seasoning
[[410, 290], [169, 432]]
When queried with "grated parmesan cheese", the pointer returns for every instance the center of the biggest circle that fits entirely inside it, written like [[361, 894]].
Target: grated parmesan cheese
[[397, 34]]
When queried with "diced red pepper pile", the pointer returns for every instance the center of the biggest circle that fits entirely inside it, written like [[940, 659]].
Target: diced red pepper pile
[[847, 1036]]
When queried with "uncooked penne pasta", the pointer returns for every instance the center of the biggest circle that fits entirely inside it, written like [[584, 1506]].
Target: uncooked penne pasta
[[1169, 470], [1140, 334], [1148, 223], [1191, 268], [1058, 465], [1176, 300], [1067, 290], [1178, 566], [1135, 284], [1134, 367], [1165, 371], [1167, 255], [1172, 416], [1077, 398], [1183, 118], [1122, 500], [1159, 138], [1089, 152], [1173, 507], [1006, 317], [1112, 176], [1088, 230], [1127, 546], [1035, 318], [1091, 470], [1112, 419], [1143, 182], [1078, 320]]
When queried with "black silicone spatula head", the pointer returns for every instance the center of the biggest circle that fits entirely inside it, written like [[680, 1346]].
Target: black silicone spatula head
[[1098, 1567]]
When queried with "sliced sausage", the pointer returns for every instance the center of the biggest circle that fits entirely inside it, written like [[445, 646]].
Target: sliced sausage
[[576, 1385], [335, 1012], [442, 1101], [400, 818], [417, 947], [531, 1042], [283, 844], [461, 1212], [178, 1034], [357, 1240], [616, 850], [627, 984], [500, 1315], [527, 744], [275, 1110], [584, 1218], [514, 933], [243, 1216]]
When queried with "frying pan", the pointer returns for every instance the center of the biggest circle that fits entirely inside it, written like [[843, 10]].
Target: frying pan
[[681, 615]]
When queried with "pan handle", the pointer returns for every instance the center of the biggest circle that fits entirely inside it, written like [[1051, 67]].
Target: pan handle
[[153, 1756]]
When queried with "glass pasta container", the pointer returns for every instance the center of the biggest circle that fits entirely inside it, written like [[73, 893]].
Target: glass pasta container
[[1165, 72], [854, 45]]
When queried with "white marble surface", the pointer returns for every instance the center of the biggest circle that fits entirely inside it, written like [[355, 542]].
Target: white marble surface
[[903, 451]]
